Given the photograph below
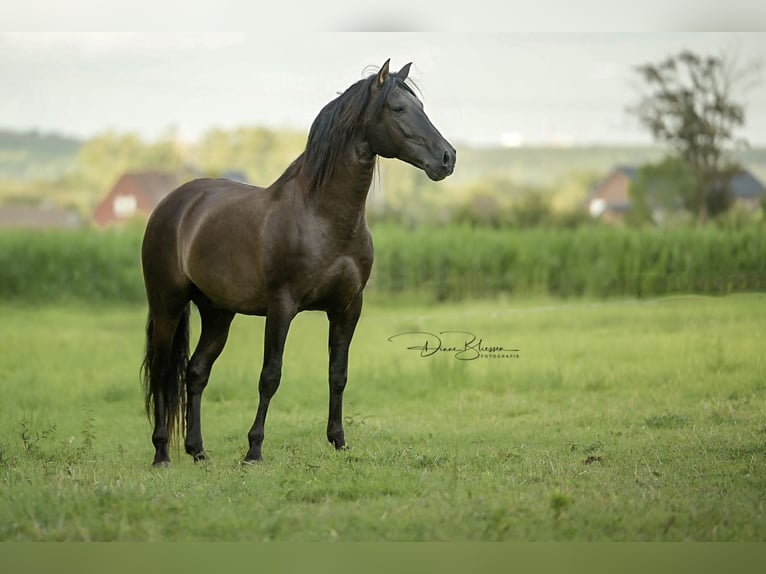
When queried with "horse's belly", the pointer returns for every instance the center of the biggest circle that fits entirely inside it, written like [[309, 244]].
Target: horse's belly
[[229, 282], [234, 297]]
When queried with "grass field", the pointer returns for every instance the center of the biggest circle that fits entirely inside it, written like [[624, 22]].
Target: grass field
[[624, 420]]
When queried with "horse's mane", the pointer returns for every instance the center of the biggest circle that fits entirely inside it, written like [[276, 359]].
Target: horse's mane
[[333, 129]]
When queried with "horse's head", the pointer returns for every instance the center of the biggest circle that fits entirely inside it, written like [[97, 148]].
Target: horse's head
[[399, 128]]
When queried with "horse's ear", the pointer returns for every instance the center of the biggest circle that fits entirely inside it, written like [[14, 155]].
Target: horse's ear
[[382, 74], [404, 72]]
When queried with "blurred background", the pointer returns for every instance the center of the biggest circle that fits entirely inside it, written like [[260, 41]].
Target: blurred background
[[589, 139]]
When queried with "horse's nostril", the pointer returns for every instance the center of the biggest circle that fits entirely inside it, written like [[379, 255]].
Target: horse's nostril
[[446, 159]]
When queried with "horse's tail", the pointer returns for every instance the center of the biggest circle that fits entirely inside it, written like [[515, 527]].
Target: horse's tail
[[167, 382]]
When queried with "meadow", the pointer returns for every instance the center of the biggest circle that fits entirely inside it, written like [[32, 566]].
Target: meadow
[[614, 420]]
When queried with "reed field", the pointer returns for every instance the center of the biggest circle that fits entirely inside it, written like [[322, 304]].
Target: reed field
[[600, 420], [432, 264]]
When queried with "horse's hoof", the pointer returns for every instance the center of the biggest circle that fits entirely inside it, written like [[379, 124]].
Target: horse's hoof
[[253, 455], [200, 456], [161, 464], [252, 461], [338, 442], [342, 447]]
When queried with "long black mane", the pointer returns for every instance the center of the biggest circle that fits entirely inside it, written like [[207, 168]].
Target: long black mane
[[334, 127]]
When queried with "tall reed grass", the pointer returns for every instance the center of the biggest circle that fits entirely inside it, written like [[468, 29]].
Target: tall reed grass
[[454, 263], [449, 263], [65, 266]]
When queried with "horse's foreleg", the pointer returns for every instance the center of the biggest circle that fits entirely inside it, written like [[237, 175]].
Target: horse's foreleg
[[278, 317], [342, 326]]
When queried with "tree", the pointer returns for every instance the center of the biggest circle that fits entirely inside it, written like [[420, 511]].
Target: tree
[[105, 157], [688, 103], [260, 153]]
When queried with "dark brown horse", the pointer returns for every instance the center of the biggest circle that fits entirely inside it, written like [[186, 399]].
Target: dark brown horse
[[300, 244]]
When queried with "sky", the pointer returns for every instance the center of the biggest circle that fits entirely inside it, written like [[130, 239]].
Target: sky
[[505, 88]]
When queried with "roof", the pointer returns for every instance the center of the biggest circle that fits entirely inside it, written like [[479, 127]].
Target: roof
[[154, 184], [629, 171], [235, 175], [38, 217], [743, 185]]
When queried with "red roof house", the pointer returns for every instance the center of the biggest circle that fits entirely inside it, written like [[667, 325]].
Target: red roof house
[[134, 195]]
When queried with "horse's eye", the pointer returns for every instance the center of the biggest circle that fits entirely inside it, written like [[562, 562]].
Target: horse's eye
[[397, 109]]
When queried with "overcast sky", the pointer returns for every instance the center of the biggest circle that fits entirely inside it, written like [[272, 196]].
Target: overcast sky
[[477, 88]]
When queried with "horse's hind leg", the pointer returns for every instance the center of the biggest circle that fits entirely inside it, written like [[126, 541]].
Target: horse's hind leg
[[165, 360], [215, 331], [342, 326]]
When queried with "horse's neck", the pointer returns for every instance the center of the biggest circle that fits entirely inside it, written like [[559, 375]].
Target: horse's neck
[[342, 198]]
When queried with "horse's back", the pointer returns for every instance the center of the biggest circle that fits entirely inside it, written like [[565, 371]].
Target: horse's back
[[187, 207], [179, 217], [206, 234], [175, 206]]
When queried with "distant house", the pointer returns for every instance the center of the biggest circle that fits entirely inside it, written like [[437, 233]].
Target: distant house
[[38, 217], [235, 175], [610, 199], [134, 194]]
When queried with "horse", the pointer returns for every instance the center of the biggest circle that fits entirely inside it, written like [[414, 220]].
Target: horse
[[300, 244]]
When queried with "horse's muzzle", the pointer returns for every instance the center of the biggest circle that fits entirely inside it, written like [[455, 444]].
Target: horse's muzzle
[[445, 168]]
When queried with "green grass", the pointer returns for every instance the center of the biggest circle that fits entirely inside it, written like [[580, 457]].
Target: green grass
[[625, 420]]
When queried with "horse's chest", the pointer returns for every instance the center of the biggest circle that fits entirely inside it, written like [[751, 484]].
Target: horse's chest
[[340, 279], [345, 272]]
